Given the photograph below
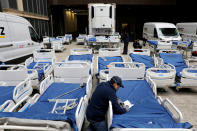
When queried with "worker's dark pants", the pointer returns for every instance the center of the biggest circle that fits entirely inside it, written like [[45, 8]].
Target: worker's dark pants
[[97, 126], [125, 50]]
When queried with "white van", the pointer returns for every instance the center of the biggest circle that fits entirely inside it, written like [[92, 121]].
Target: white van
[[17, 37], [160, 31], [188, 31]]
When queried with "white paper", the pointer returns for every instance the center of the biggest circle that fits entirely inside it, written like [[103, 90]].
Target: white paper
[[128, 103]]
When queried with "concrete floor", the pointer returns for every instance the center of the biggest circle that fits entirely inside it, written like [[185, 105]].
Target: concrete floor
[[185, 99]]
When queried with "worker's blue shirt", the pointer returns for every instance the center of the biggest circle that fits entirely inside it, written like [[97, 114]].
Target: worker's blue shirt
[[99, 103]]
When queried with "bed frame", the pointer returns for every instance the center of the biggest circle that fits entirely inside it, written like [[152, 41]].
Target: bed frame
[[107, 52], [68, 77], [188, 80], [166, 103], [41, 55]]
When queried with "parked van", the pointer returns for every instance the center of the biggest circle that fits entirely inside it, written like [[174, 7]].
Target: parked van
[[17, 37], [160, 31], [188, 31]]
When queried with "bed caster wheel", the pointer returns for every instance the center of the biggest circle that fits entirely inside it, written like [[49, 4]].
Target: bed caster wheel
[[178, 88]]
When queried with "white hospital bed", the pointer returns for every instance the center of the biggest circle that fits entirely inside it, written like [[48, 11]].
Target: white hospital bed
[[80, 52], [103, 53], [162, 74], [63, 73], [188, 77], [57, 44], [14, 76], [81, 38], [166, 103], [43, 58]]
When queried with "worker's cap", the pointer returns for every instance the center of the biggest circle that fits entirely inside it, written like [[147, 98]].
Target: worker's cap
[[118, 80]]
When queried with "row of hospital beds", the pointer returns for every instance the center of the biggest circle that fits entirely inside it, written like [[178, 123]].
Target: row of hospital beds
[[63, 94], [60, 103]]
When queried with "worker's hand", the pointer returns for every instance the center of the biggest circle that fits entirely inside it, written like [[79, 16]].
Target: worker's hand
[[126, 107], [119, 101]]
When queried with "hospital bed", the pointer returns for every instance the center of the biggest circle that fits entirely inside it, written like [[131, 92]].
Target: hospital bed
[[104, 58], [68, 38], [162, 74], [82, 54], [57, 44], [156, 45], [81, 38], [184, 46], [186, 75], [15, 87], [42, 62], [60, 105], [149, 112]]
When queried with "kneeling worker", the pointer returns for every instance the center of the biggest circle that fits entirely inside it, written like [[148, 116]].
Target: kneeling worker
[[99, 103]]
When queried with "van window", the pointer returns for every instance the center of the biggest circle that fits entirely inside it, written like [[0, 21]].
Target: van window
[[92, 12], [196, 31], [169, 31], [33, 34], [110, 12], [155, 33]]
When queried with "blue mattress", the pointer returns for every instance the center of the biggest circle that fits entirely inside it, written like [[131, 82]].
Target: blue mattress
[[6, 93], [42, 108], [147, 60], [152, 42], [146, 112], [175, 59], [40, 68], [86, 57], [104, 61]]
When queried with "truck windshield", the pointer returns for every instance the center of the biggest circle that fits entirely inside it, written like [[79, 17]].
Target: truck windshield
[[169, 31]]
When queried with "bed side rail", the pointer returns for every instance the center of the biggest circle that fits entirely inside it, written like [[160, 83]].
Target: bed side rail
[[8, 74], [81, 111], [7, 106], [72, 71], [22, 90], [152, 85], [30, 102], [171, 108], [80, 51], [89, 87], [109, 52], [45, 84], [129, 71], [109, 115], [28, 61], [140, 51]]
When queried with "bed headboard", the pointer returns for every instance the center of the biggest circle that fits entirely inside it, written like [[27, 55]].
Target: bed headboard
[[109, 52], [71, 72], [140, 51], [44, 55], [130, 70], [80, 51], [12, 75]]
